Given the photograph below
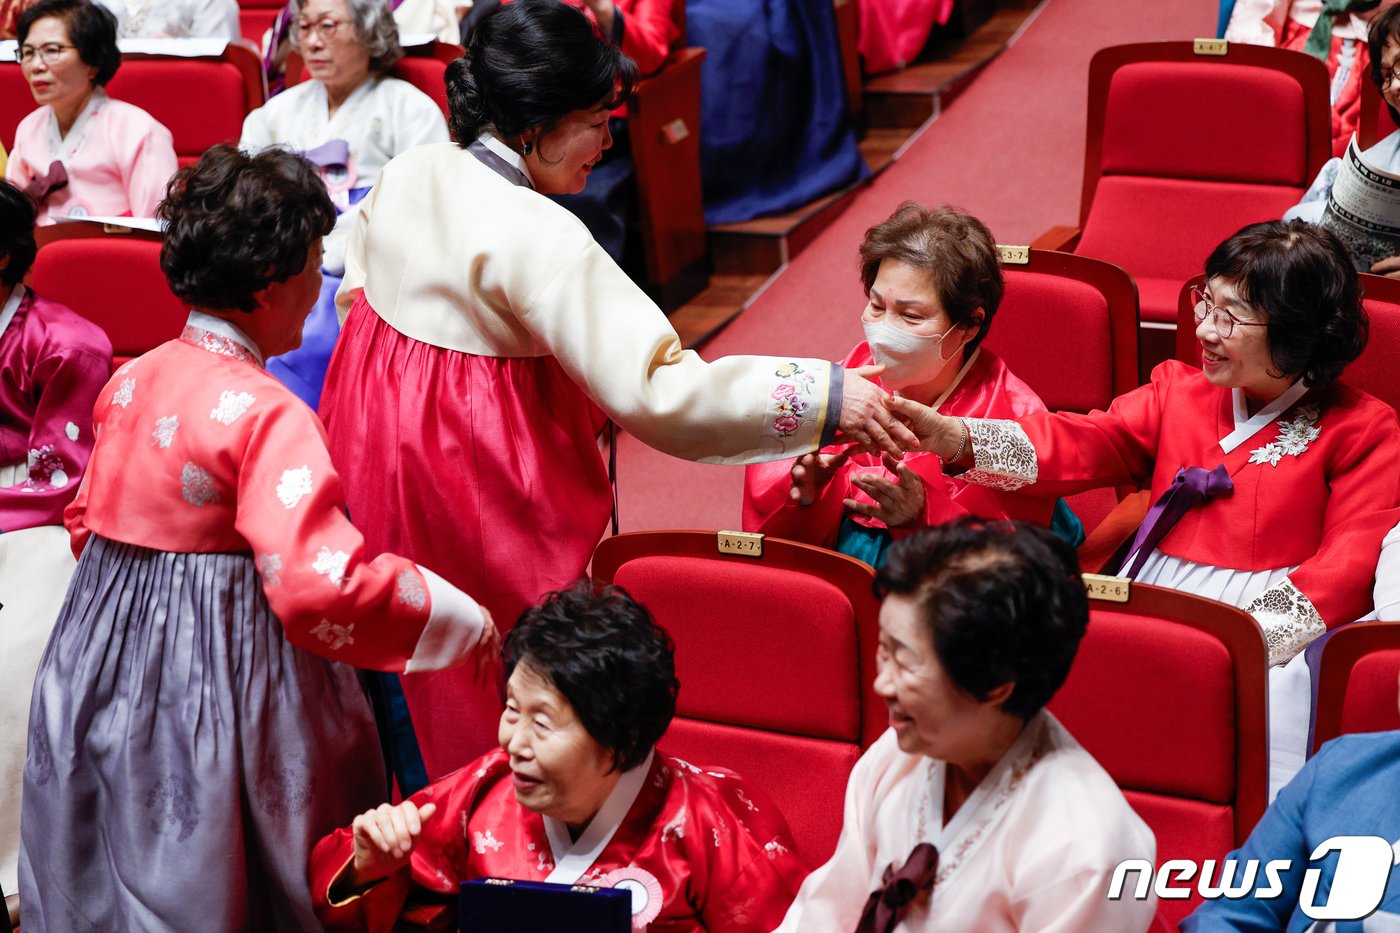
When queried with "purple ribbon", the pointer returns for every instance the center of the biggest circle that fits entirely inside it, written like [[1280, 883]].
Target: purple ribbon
[[333, 154], [887, 905], [40, 188], [1191, 486]]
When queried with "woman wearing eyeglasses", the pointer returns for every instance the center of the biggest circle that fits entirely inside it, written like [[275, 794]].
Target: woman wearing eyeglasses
[[350, 118], [82, 154], [1266, 472]]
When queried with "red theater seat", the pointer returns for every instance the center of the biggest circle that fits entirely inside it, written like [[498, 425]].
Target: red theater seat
[[1059, 299], [775, 655], [422, 66], [1373, 371], [111, 277], [1164, 182], [1168, 693], [1359, 681], [202, 101]]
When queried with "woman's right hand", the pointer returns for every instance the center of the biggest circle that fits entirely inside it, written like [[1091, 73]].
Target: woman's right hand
[[1389, 266], [384, 840], [811, 472], [937, 434], [865, 417]]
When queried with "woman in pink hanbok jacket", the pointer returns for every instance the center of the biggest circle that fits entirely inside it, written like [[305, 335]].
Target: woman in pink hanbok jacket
[[82, 154]]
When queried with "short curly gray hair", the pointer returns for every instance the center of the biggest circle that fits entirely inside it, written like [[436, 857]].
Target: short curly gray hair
[[374, 27]]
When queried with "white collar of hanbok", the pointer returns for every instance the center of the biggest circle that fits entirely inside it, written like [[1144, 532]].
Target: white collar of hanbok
[[1247, 425], [10, 307], [226, 329], [7, 313], [506, 154], [345, 114], [574, 857], [62, 147], [984, 806], [957, 380]]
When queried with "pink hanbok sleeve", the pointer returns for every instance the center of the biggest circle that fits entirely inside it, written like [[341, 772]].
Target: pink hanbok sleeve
[[67, 378], [147, 160], [383, 614]]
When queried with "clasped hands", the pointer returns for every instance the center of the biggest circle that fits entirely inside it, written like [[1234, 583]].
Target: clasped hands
[[874, 421]]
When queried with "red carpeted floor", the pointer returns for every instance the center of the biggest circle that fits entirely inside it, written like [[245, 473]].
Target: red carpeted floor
[[1010, 149]]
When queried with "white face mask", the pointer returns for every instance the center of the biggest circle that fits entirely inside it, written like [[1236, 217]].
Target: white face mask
[[909, 359]]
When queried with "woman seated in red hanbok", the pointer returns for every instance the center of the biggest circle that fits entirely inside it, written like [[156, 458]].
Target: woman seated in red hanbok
[[933, 283], [1266, 471], [52, 365], [197, 723], [576, 794]]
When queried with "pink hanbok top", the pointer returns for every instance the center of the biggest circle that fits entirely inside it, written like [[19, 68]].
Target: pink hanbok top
[[893, 32], [117, 156], [53, 364]]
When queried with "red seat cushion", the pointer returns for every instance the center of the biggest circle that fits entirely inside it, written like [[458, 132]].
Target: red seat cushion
[[1184, 829], [1369, 705], [1154, 703], [765, 648], [118, 285], [1157, 123], [805, 778], [201, 102], [1038, 308], [1157, 298], [1374, 370], [1166, 227]]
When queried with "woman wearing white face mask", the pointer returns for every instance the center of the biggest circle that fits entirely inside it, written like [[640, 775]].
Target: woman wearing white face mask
[[933, 283]]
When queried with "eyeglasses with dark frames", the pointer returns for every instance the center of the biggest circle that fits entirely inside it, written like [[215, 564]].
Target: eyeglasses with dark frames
[[1223, 321]]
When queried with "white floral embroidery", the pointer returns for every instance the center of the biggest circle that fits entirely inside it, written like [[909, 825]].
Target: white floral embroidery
[[42, 465], [545, 865], [58, 479], [411, 591], [486, 841], [336, 636], [1003, 456], [122, 396], [674, 829], [165, 431], [269, 565], [231, 406], [746, 801], [71, 430], [1293, 438], [332, 564], [1289, 620], [774, 849], [295, 486], [197, 486]]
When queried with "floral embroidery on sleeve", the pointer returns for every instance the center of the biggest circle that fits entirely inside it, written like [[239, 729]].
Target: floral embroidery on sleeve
[[124, 392], [44, 465], [269, 566], [790, 402], [1293, 438], [331, 564], [231, 406], [1288, 618], [71, 430], [165, 431], [411, 591], [1003, 456], [295, 486], [336, 636]]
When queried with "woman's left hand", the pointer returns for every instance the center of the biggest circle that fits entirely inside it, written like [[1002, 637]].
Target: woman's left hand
[[1389, 266], [896, 503]]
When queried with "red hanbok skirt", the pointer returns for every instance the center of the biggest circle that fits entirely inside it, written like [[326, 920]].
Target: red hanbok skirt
[[483, 469]]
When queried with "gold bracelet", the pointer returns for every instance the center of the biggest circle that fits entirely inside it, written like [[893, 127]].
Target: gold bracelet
[[962, 443]]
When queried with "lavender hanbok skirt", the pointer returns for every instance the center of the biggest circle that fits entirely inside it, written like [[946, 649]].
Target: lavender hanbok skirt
[[183, 756]]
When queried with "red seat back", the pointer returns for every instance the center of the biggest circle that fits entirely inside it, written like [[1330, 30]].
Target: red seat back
[[775, 658], [113, 280], [1358, 685], [1161, 185], [1372, 372], [202, 101], [253, 23], [1168, 693]]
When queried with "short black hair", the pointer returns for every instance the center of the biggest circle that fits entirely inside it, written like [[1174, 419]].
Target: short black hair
[[1383, 29], [91, 28], [530, 64], [605, 653], [236, 223], [17, 213], [1300, 277], [1002, 602]]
